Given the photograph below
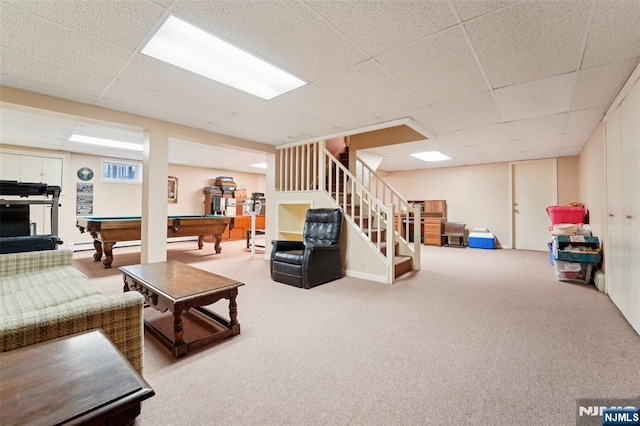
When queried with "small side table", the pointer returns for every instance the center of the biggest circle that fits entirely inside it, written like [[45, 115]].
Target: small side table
[[77, 379]]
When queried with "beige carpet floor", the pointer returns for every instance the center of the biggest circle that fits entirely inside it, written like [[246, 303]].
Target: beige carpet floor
[[477, 337]]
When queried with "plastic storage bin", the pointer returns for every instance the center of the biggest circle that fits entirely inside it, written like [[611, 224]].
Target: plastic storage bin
[[562, 214], [483, 240], [573, 272]]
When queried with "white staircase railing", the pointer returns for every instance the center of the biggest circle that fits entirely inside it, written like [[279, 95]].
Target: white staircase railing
[[379, 220], [406, 213]]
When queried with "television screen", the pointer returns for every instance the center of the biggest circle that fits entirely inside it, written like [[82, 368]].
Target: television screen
[[14, 220]]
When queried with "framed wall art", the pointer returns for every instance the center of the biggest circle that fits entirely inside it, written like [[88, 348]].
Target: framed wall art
[[172, 190]]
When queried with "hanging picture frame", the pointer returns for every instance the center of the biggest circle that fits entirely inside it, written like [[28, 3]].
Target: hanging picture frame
[[172, 190]]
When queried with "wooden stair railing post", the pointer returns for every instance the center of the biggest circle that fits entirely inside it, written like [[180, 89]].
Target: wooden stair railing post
[[416, 236], [390, 247]]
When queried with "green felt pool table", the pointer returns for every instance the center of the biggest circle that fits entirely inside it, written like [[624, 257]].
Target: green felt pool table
[[108, 230]]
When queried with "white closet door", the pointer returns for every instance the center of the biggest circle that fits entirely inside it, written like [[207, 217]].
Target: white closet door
[[613, 250], [630, 155]]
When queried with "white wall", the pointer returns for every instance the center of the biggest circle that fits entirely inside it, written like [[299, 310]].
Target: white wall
[[122, 199]]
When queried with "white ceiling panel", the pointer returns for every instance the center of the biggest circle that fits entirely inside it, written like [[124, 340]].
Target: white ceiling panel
[[367, 23], [136, 95], [606, 46], [325, 107], [472, 111], [535, 98], [288, 119], [256, 129], [428, 119], [148, 111], [163, 77], [488, 135], [545, 142], [530, 40], [596, 87], [575, 139], [570, 151], [45, 89], [585, 120], [469, 9], [555, 67], [437, 69], [42, 38], [355, 83], [98, 18], [27, 67], [547, 125], [288, 34]]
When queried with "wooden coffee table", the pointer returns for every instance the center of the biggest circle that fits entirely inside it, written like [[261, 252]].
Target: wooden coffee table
[[176, 287], [78, 379]]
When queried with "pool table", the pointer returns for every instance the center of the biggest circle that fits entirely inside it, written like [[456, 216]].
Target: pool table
[[106, 231]]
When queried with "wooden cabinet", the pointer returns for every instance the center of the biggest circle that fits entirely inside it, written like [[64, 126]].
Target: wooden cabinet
[[433, 216], [433, 228], [241, 225]]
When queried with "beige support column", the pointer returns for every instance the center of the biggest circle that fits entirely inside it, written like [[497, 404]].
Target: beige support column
[[155, 170]]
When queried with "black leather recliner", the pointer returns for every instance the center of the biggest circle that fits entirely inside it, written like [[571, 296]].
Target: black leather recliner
[[314, 260]]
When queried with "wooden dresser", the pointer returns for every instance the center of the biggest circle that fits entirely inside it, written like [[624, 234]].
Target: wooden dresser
[[433, 216]]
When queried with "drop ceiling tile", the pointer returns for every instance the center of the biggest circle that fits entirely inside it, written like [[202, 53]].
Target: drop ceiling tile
[[536, 98], [163, 77], [575, 139], [449, 141], [274, 30], [585, 119], [570, 151], [44, 39], [257, 129], [596, 87], [545, 142], [547, 125], [32, 69], [287, 119], [132, 19], [317, 103], [429, 120], [355, 86], [145, 99], [472, 111], [381, 26], [468, 9], [45, 89], [529, 40], [438, 68], [497, 148], [614, 35], [487, 135]]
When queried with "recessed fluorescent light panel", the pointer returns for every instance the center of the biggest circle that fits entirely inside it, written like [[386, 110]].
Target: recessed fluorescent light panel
[[430, 156], [105, 142], [183, 45], [260, 165]]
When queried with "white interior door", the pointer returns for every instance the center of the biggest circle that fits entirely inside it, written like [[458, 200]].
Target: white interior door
[[533, 190]]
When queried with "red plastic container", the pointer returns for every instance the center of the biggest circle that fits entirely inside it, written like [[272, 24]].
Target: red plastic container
[[565, 214]]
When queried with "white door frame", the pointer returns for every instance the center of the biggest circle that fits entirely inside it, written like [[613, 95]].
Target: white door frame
[[554, 161]]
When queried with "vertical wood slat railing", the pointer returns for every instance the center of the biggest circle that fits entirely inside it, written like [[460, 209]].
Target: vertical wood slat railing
[[311, 167], [406, 213]]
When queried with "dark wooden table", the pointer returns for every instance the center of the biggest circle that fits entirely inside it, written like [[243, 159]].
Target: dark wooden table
[[107, 231], [78, 379], [176, 287]]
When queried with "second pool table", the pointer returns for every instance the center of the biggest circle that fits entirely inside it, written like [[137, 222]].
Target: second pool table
[[108, 230]]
